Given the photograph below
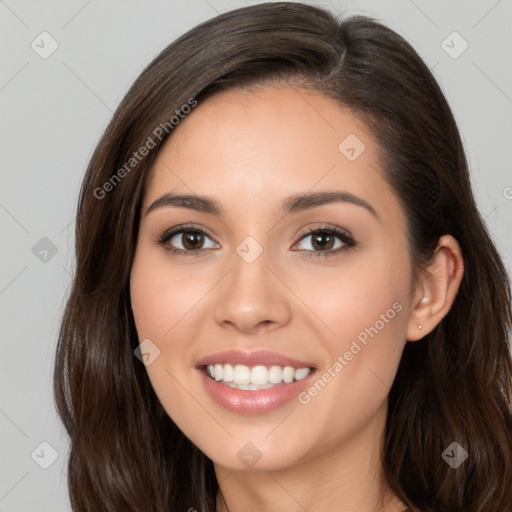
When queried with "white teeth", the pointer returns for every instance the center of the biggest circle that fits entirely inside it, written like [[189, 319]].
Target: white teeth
[[259, 375], [241, 374], [218, 372], [288, 374], [256, 377], [301, 373], [227, 373], [275, 374], [250, 387]]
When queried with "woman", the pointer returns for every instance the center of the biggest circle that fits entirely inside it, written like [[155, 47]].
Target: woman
[[285, 297]]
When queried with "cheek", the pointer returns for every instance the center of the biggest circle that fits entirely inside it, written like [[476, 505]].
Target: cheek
[[369, 290], [162, 301], [364, 317], [162, 295]]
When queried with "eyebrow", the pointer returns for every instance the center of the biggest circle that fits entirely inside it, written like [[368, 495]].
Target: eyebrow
[[292, 204]]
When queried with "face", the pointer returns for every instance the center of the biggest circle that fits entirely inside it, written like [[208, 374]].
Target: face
[[323, 283]]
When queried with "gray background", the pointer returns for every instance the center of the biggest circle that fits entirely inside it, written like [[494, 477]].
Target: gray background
[[53, 111]]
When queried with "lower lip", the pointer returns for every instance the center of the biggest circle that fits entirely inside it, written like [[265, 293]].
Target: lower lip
[[253, 402]]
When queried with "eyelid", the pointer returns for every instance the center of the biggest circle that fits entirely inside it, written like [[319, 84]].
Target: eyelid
[[325, 228]]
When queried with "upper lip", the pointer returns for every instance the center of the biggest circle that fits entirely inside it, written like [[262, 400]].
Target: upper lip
[[254, 358]]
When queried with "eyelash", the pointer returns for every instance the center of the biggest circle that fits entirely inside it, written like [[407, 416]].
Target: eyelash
[[347, 240]]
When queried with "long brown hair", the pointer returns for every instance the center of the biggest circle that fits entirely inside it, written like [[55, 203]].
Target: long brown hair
[[126, 454]]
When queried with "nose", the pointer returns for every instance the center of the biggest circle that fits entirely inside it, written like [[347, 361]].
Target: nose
[[252, 297]]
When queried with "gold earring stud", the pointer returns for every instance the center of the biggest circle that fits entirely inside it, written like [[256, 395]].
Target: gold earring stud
[[419, 327]]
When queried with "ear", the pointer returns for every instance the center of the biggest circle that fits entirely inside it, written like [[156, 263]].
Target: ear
[[436, 289]]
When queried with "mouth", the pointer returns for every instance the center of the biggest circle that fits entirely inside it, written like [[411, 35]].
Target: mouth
[[255, 378], [254, 383]]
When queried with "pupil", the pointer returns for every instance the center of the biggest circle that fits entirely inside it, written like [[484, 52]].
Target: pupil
[[192, 240], [324, 240]]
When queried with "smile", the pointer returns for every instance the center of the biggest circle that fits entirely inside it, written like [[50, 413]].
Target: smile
[[257, 377]]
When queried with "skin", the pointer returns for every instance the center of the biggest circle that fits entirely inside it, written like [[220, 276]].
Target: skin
[[249, 150]]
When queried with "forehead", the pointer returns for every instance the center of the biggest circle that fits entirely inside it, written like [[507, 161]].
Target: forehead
[[254, 148]]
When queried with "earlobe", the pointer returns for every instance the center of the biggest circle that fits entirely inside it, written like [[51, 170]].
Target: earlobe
[[437, 289], [417, 324]]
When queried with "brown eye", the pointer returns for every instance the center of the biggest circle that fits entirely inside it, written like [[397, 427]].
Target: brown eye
[[182, 240], [322, 241], [326, 241], [192, 240]]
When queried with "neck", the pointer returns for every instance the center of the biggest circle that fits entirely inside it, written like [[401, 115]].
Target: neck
[[344, 478]]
